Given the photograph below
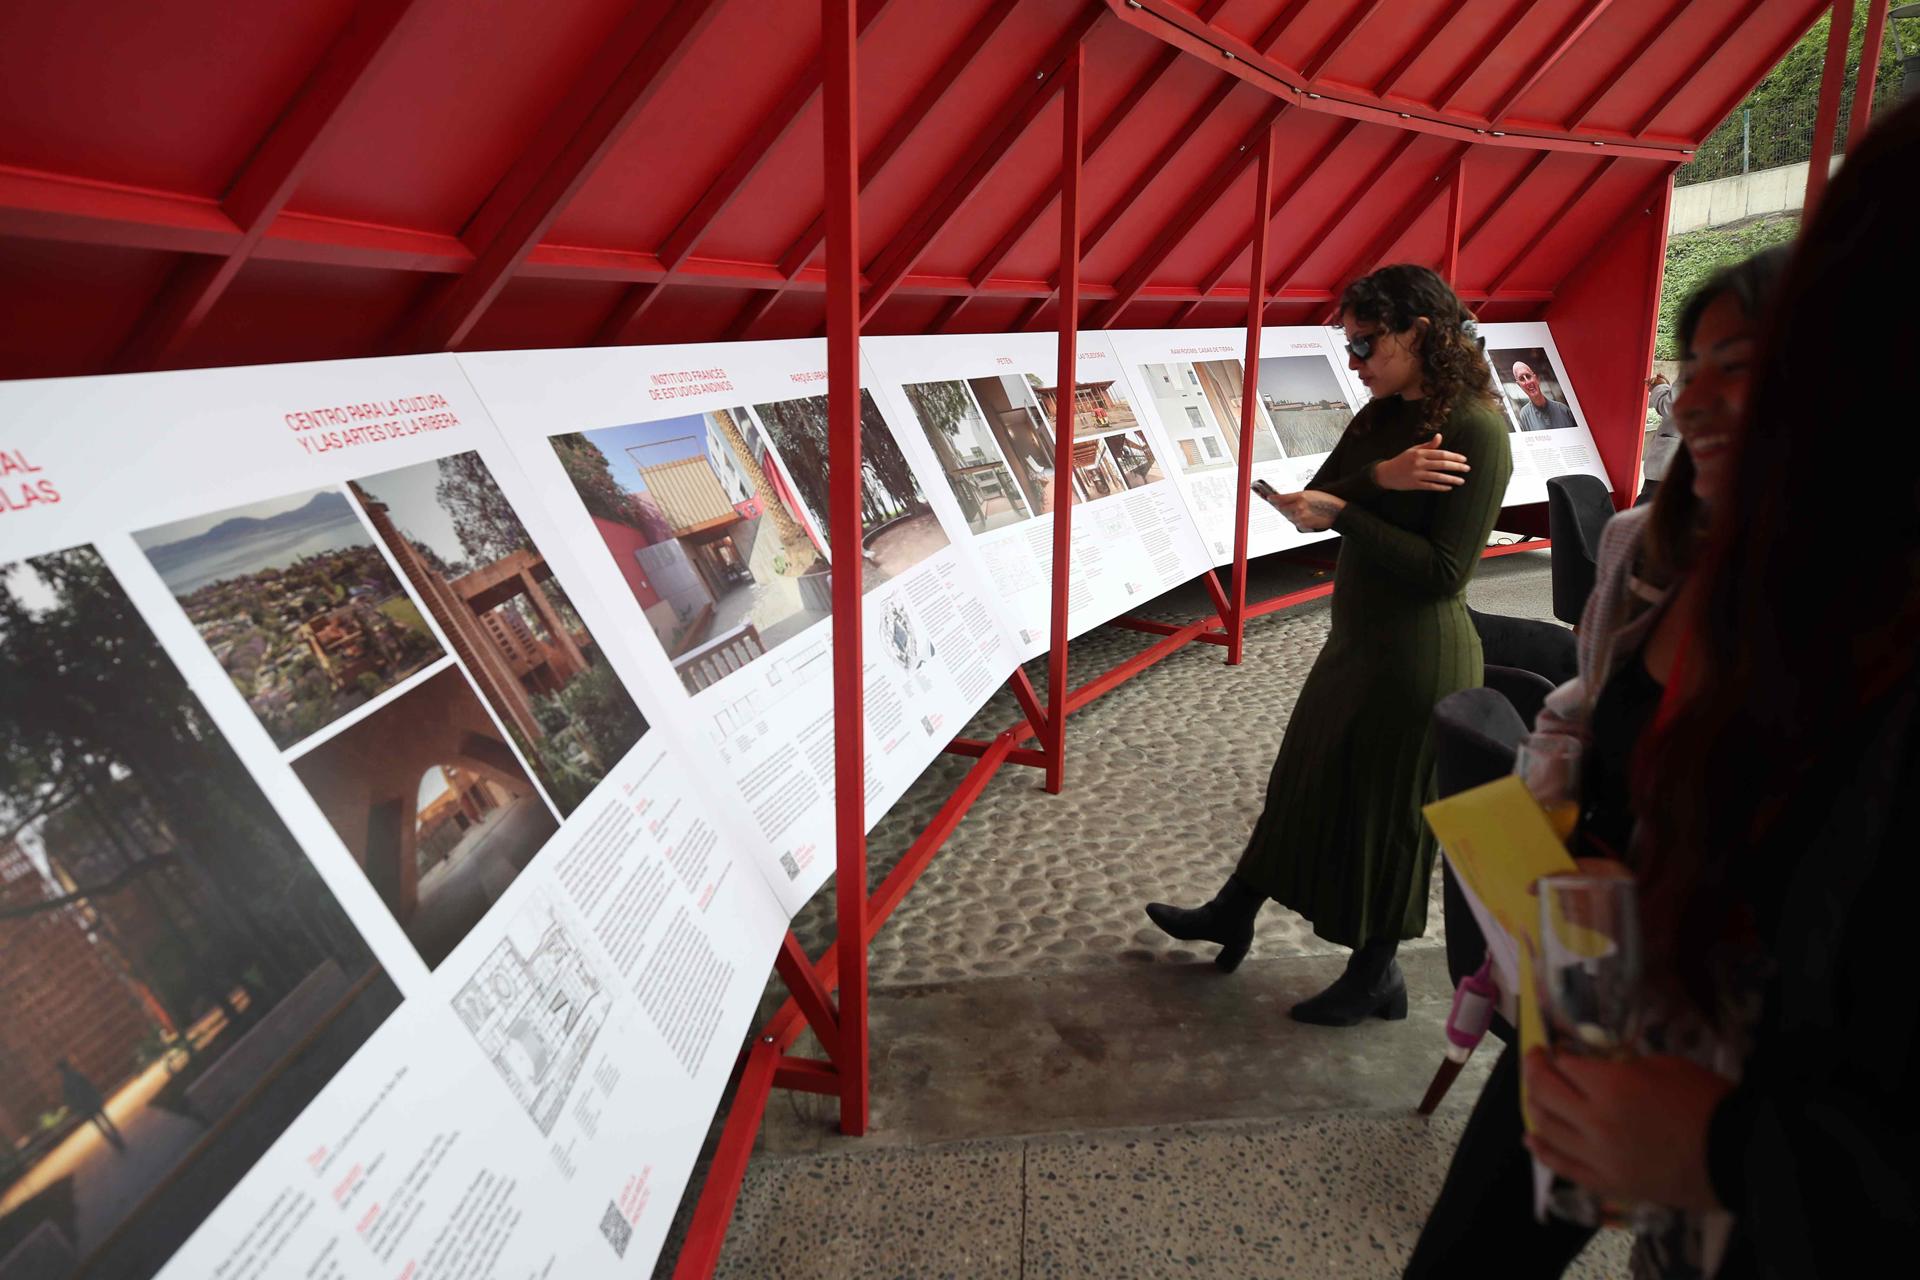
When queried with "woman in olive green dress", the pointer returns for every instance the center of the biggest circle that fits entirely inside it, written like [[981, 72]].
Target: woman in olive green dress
[[1341, 839]]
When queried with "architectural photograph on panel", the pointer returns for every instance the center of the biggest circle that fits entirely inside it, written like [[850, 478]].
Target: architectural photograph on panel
[[1533, 391], [434, 806], [1098, 407], [474, 566], [1199, 404], [296, 603], [992, 444], [706, 532], [1301, 396], [177, 983], [1132, 457], [898, 528], [1110, 453]]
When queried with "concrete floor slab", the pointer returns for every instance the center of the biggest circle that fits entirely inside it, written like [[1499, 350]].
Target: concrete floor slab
[[1326, 1197], [1059, 1089], [944, 1212], [1329, 1198], [1129, 1046]]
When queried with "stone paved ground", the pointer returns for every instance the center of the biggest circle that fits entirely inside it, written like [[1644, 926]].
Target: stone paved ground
[[1164, 779]]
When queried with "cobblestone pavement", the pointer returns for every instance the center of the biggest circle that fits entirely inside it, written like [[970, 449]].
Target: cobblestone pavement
[[1164, 780]]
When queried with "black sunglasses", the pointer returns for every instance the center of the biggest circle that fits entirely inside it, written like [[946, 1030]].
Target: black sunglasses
[[1360, 347]]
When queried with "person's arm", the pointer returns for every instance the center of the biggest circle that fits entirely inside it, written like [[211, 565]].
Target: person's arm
[[1440, 561], [1660, 399], [1355, 484], [1817, 1149], [1563, 714], [1340, 475]]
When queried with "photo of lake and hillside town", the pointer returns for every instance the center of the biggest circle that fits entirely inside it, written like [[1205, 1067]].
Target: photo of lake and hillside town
[[297, 604]]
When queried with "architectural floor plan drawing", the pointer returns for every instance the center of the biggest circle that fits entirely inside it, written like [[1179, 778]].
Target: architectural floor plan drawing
[[535, 1005]]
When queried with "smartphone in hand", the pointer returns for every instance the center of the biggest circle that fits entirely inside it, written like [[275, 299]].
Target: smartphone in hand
[[1266, 490]]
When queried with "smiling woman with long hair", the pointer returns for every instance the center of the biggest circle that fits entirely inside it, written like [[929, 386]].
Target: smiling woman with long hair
[[1776, 811], [1768, 817], [1341, 839]]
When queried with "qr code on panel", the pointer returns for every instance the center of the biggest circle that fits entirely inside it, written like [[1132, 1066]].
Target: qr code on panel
[[615, 1227]]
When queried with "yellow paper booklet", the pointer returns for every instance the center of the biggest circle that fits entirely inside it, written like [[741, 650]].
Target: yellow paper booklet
[[1500, 841]]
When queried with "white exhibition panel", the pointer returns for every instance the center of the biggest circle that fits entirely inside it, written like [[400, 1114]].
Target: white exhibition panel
[[1188, 381], [493, 975], [1552, 439], [441, 745], [705, 470], [976, 411]]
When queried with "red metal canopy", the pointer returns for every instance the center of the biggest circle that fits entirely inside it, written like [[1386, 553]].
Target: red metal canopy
[[214, 182]]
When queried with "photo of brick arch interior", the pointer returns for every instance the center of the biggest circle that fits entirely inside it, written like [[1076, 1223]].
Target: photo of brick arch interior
[[717, 522], [472, 564], [177, 983], [434, 806]]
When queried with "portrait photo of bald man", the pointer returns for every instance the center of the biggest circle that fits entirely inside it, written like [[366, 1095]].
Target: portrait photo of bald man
[[1535, 395]]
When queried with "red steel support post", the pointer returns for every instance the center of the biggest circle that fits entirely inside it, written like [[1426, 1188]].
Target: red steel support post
[[1236, 619], [839, 57], [1863, 79], [1827, 118], [1072, 96]]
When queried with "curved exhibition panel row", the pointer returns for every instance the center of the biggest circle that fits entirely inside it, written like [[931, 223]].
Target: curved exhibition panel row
[[412, 765]]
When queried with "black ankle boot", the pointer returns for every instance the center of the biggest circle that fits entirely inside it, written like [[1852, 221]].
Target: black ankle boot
[[1371, 987], [1227, 920]]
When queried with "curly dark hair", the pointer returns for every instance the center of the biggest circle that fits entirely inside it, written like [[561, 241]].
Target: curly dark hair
[[1453, 362]]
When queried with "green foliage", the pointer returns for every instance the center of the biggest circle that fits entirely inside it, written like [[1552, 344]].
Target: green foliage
[[1784, 104], [587, 727], [1796, 78], [586, 466], [1695, 255], [402, 611], [602, 714], [483, 519]]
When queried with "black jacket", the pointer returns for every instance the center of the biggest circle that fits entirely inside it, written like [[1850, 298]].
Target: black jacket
[[1818, 1149]]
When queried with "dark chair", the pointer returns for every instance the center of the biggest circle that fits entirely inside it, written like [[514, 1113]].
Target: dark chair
[[1578, 507], [1526, 690], [1476, 733], [1545, 648]]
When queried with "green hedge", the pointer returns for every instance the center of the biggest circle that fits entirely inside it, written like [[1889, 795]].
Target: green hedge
[[1695, 255], [1784, 104]]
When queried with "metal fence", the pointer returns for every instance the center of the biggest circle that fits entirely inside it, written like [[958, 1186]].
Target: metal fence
[[1750, 140]]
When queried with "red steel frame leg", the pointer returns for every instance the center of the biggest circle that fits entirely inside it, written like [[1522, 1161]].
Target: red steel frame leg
[[839, 54], [1827, 117], [1071, 97], [1236, 611], [1863, 78]]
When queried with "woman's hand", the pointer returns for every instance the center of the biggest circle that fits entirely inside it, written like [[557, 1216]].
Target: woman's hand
[[1628, 1130], [1424, 467], [1311, 510]]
